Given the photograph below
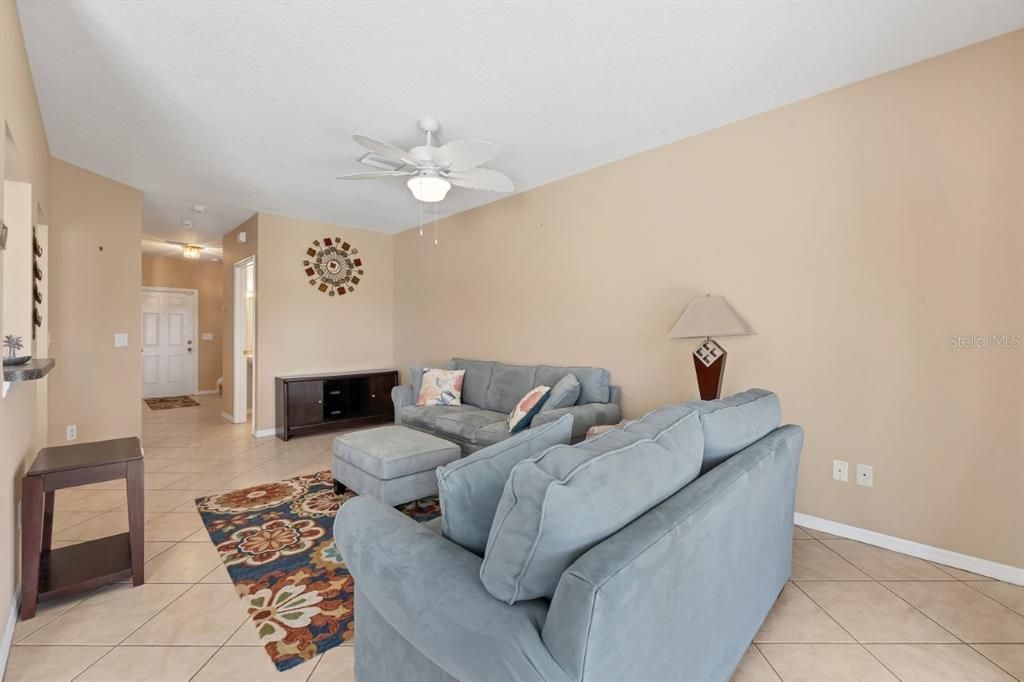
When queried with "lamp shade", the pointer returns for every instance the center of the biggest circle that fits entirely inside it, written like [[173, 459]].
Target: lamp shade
[[709, 316]]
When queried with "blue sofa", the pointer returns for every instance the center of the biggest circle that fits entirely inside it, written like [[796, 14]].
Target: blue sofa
[[489, 392], [676, 594]]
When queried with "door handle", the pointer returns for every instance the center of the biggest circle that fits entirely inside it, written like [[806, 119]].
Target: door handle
[[189, 349]]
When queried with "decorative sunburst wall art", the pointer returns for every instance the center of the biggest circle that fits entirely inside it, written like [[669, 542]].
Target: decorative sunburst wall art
[[333, 266]]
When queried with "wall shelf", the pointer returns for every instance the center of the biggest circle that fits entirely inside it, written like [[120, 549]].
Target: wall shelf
[[36, 368]]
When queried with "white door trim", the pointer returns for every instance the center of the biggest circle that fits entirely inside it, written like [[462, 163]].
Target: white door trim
[[240, 409], [195, 327]]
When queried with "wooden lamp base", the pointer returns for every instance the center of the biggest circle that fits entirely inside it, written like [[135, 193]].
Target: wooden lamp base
[[709, 361]]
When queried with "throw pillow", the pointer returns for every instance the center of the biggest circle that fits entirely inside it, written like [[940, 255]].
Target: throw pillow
[[441, 387], [527, 408], [547, 517], [471, 487], [564, 393]]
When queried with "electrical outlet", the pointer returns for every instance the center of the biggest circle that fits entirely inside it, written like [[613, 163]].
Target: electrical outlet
[[72, 430], [865, 475], [840, 470]]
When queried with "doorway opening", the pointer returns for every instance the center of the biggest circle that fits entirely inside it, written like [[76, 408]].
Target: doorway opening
[[244, 344], [170, 356]]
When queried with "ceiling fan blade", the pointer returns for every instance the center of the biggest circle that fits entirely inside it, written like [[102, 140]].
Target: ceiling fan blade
[[467, 154], [481, 178], [385, 149], [373, 174]]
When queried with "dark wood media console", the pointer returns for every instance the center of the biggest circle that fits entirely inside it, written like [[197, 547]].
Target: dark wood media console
[[318, 402]]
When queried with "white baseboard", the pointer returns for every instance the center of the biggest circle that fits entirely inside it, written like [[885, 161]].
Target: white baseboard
[[227, 416], [209, 391], [965, 562], [8, 636], [263, 433]]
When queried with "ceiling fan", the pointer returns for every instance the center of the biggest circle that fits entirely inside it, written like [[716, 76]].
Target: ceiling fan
[[432, 170]]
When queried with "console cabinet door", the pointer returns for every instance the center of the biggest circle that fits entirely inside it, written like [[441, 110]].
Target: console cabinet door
[[305, 403], [379, 389]]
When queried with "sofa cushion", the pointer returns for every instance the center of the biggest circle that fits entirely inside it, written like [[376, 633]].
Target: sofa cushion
[[559, 504], [471, 487], [594, 381], [492, 433], [425, 417], [416, 379], [731, 424], [389, 452], [564, 393], [464, 425], [663, 426], [509, 383], [476, 381]]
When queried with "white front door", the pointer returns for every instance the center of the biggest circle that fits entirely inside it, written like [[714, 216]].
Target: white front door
[[168, 343]]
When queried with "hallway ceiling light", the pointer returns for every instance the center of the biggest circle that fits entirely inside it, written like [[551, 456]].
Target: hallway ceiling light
[[191, 251]]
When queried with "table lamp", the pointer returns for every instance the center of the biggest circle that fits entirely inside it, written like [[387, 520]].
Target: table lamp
[[708, 316]]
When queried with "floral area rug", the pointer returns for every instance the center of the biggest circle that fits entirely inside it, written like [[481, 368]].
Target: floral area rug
[[170, 403], [278, 545]]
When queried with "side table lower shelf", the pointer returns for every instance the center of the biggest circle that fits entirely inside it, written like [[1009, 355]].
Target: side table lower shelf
[[84, 566]]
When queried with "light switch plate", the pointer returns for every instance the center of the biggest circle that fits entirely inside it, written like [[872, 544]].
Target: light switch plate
[[120, 340], [866, 475], [207, 336]]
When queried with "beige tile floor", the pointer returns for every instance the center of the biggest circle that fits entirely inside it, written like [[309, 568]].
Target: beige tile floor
[[851, 612]]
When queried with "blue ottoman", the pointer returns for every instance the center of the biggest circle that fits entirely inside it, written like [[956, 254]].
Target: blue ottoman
[[395, 464]]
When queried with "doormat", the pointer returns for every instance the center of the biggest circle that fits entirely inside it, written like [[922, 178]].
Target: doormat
[[170, 403]]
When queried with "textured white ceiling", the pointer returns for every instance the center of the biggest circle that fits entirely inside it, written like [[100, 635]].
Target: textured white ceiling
[[251, 105]]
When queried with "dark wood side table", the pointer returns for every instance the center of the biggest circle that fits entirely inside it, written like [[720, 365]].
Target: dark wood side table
[[49, 573]]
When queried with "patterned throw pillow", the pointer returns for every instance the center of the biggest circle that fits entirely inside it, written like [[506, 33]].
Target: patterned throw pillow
[[527, 408], [441, 387]]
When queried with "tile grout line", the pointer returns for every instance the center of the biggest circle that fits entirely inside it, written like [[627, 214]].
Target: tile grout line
[[886, 587], [990, 597], [993, 662], [768, 661], [940, 625], [843, 628]]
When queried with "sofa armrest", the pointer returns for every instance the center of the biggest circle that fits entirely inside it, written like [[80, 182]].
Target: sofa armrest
[[428, 589], [583, 416], [401, 396]]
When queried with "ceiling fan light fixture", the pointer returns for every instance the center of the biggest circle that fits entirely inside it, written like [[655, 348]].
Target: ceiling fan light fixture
[[191, 251], [428, 188]]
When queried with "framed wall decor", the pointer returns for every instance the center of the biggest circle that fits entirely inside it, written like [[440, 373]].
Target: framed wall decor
[[333, 266]]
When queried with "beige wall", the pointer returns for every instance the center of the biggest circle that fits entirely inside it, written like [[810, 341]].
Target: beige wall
[[95, 282], [208, 278], [300, 329], [233, 252], [19, 439], [856, 231]]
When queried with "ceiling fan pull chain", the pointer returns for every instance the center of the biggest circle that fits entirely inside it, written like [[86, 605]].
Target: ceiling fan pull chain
[[435, 225], [420, 203]]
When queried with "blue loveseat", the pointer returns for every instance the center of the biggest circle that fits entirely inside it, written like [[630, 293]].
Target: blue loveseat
[[489, 392], [676, 594]]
